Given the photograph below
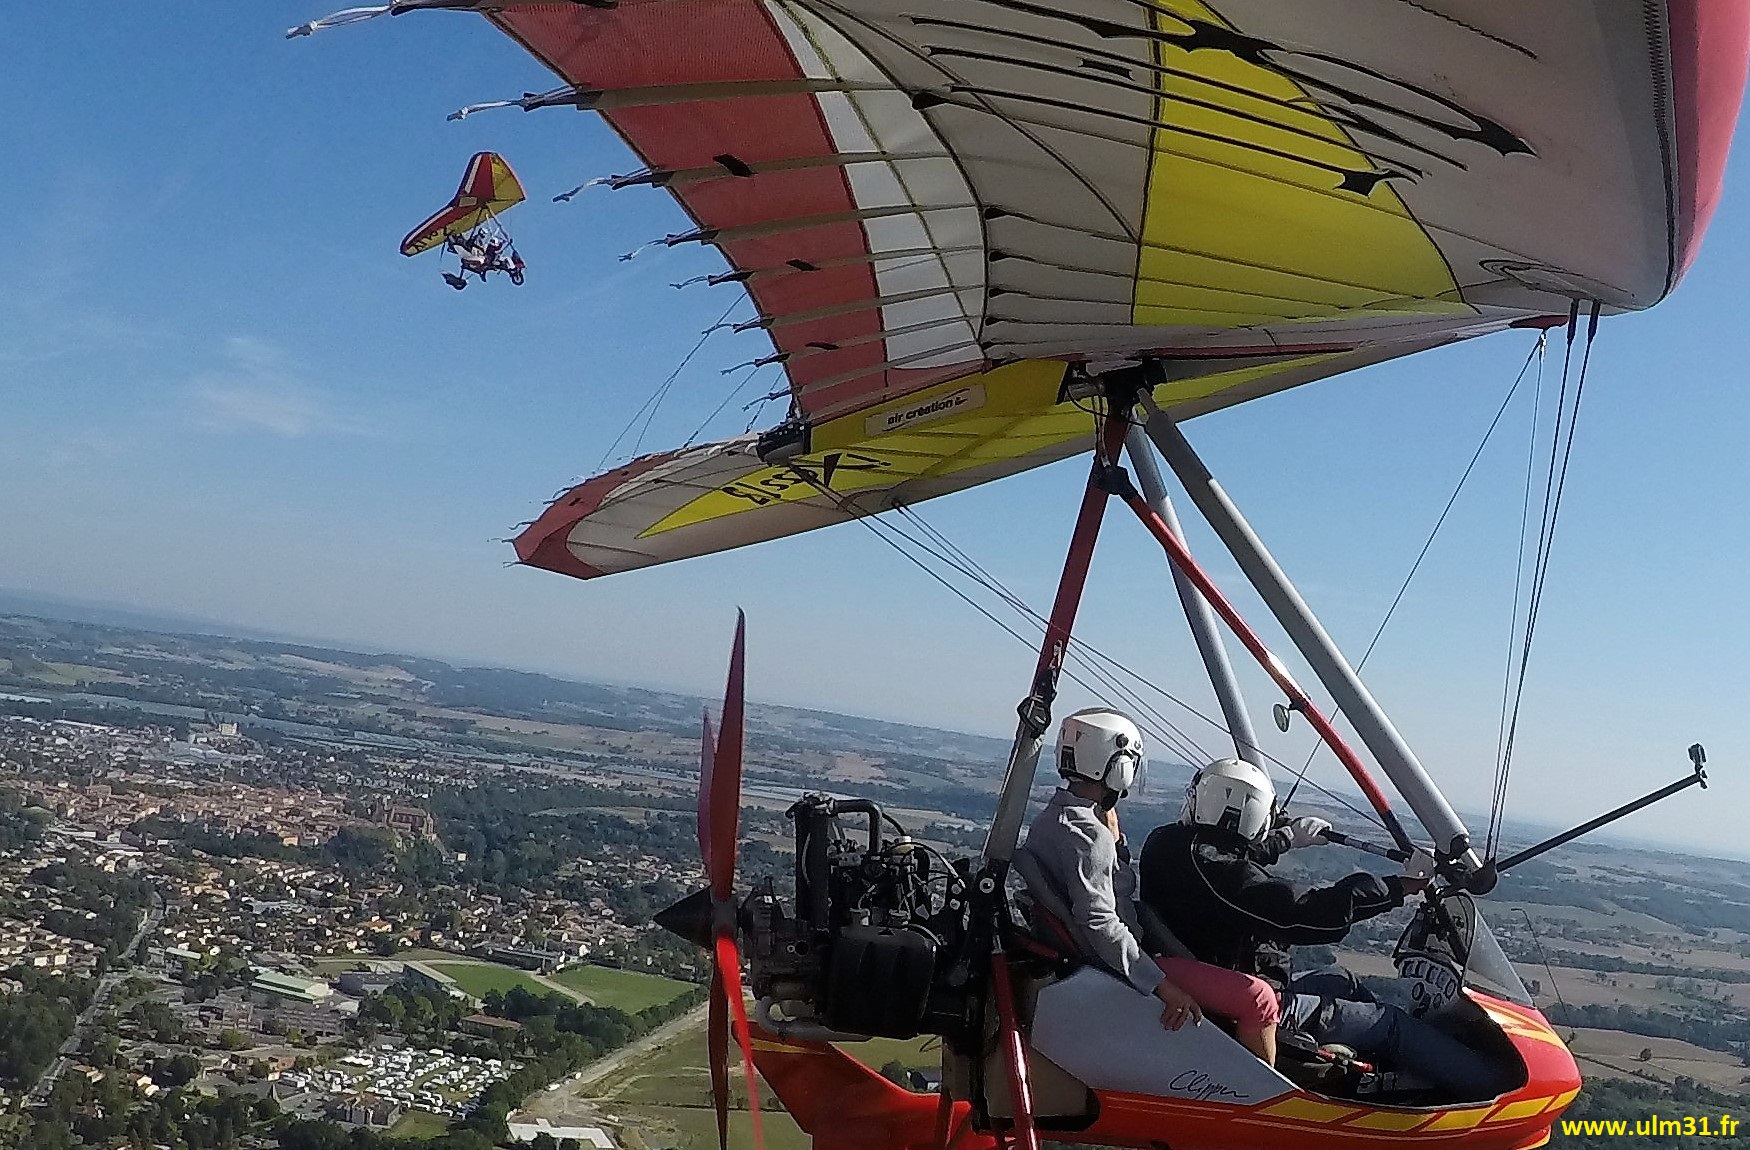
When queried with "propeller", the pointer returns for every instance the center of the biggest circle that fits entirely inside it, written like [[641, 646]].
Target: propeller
[[707, 917]]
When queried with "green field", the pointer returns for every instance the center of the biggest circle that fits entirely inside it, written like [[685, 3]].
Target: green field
[[416, 1124], [329, 967], [480, 978], [911, 1053], [667, 1093], [625, 989], [675, 1075], [695, 1128]]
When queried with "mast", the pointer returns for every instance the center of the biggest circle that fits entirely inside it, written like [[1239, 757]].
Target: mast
[[1376, 731], [1035, 709], [1197, 612]]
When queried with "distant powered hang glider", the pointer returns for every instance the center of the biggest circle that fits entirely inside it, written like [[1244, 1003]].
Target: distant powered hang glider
[[470, 226]]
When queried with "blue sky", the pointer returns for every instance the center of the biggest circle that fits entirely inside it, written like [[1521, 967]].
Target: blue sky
[[223, 393]]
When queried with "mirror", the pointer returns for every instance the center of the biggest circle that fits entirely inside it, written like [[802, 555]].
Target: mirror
[[1281, 711]]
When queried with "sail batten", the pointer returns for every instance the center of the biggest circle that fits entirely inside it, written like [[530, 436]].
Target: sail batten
[[933, 205]]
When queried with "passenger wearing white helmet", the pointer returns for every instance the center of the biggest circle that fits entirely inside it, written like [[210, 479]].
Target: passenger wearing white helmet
[[1078, 844], [1207, 877]]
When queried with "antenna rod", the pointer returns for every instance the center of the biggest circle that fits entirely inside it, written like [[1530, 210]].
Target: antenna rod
[[1698, 777], [1197, 613]]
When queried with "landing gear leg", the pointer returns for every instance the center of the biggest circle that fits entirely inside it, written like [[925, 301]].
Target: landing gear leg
[[1014, 1052]]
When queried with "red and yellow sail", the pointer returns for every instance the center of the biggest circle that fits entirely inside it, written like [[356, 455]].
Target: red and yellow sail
[[936, 207], [489, 189]]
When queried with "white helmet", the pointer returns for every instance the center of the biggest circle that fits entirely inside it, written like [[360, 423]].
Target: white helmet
[[1101, 746], [1233, 795]]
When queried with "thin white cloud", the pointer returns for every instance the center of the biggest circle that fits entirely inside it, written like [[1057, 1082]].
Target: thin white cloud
[[255, 390]]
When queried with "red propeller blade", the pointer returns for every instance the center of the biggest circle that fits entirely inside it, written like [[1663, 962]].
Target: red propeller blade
[[721, 794], [707, 757], [719, 828], [717, 1048], [729, 980]]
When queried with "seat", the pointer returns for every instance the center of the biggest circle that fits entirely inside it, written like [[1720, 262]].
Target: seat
[[1157, 936], [1046, 911]]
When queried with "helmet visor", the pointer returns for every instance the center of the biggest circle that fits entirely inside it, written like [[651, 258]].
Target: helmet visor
[[1129, 765]]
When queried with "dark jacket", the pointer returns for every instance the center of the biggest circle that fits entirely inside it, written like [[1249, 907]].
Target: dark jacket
[[1212, 889]]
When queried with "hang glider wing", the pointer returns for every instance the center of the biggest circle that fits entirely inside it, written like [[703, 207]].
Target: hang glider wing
[[958, 197], [940, 439], [489, 189]]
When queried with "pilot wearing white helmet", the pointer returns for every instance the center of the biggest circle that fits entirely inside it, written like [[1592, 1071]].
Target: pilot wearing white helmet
[[1207, 877], [1078, 845]]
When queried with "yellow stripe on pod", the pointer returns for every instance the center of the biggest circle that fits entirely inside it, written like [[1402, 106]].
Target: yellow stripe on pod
[[1513, 1111], [1309, 1110], [1457, 1120]]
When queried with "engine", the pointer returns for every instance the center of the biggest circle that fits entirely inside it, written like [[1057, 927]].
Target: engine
[[876, 927]]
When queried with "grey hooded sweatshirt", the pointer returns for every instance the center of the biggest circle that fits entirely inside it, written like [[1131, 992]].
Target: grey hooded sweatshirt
[[1089, 868]]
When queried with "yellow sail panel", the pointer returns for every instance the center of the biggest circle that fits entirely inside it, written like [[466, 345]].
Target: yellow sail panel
[[1001, 417], [1322, 232], [714, 497], [1012, 409]]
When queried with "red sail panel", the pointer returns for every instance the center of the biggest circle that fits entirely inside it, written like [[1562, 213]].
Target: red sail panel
[[1710, 55], [707, 41]]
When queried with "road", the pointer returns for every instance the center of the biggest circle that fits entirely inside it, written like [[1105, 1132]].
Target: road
[[602, 1067], [572, 1102], [106, 985]]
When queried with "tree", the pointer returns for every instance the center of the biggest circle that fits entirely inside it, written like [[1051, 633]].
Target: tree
[[1646, 1054], [177, 1071]]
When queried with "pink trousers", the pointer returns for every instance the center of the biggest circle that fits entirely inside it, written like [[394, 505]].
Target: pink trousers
[[1247, 999]]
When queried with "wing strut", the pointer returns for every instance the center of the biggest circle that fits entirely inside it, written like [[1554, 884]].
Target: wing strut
[[1197, 614], [1035, 720], [1451, 839], [1297, 698], [1035, 709]]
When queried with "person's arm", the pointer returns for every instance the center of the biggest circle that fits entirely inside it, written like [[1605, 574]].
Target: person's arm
[[1094, 904], [1295, 916]]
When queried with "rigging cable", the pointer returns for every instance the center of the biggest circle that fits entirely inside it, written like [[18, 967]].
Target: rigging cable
[[1567, 1015], [954, 556], [1555, 487], [647, 411], [1169, 733], [1535, 353], [1083, 653], [1497, 785], [739, 387], [886, 531], [1086, 654]]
